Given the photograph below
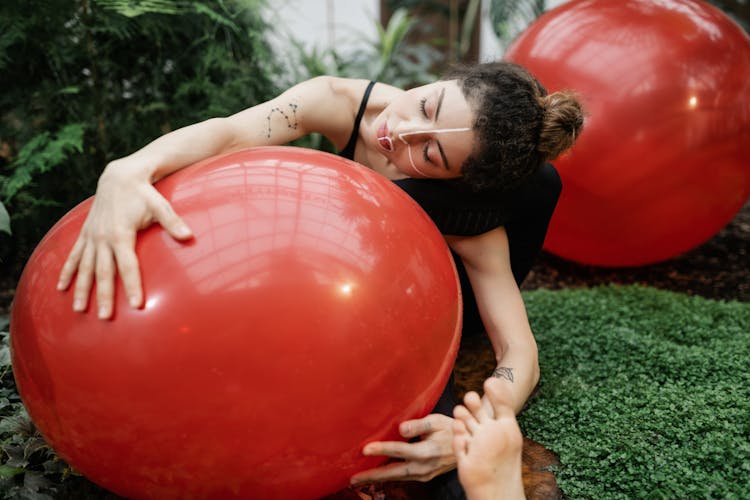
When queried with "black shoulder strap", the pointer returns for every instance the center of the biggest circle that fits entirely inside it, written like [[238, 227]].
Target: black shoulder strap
[[348, 151]]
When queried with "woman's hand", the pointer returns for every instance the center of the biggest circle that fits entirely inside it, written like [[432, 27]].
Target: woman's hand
[[124, 203], [420, 461]]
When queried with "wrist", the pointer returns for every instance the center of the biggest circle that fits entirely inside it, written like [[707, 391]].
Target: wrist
[[503, 372], [126, 169]]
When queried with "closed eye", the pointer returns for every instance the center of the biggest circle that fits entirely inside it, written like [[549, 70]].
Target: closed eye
[[425, 150], [422, 103]]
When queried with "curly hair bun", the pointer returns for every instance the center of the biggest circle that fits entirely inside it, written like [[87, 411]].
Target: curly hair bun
[[562, 123]]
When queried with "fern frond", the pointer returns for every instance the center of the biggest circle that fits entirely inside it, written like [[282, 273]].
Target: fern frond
[[135, 8], [11, 32], [205, 10], [41, 154]]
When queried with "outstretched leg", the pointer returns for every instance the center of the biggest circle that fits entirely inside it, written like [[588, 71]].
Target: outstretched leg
[[487, 443]]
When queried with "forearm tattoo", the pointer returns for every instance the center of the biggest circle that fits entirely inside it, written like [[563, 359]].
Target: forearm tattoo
[[503, 372], [290, 115]]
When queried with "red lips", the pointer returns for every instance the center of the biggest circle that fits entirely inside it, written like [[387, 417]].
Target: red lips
[[383, 139]]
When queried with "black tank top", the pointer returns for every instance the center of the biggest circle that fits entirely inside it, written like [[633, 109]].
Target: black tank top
[[348, 151], [458, 210]]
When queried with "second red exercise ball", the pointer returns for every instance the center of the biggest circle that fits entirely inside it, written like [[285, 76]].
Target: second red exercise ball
[[662, 163]]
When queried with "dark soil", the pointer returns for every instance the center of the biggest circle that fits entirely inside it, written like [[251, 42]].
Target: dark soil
[[718, 269]]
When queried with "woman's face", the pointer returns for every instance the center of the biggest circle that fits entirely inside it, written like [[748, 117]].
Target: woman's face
[[426, 131]]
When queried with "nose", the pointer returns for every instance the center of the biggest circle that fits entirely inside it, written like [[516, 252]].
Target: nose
[[409, 132]]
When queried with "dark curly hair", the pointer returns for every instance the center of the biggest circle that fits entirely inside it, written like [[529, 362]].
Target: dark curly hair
[[519, 126]]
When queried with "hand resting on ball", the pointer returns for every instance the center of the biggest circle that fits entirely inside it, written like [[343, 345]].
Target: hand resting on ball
[[107, 239]]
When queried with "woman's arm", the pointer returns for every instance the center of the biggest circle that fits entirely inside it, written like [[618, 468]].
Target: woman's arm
[[311, 106], [126, 201], [487, 261]]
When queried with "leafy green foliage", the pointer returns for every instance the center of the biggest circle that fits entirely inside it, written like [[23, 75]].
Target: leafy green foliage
[[388, 59], [449, 26], [40, 155], [510, 17], [85, 82], [21, 444], [644, 393], [4, 220], [129, 8], [468, 26], [400, 64], [29, 468]]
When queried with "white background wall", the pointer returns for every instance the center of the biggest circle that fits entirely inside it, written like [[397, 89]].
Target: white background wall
[[338, 23], [326, 23]]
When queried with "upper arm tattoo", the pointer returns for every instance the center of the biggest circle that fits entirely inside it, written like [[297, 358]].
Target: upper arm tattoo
[[503, 372], [290, 115]]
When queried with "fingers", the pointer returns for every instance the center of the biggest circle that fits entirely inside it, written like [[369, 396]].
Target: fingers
[[420, 427], [106, 245], [129, 269], [170, 221], [422, 450], [104, 281], [70, 265], [422, 460], [97, 263], [84, 279], [397, 471], [390, 472]]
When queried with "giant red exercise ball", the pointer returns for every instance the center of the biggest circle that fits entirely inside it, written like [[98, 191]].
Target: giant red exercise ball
[[662, 164], [316, 308]]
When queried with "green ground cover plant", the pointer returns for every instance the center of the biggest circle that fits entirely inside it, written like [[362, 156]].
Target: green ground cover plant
[[644, 393]]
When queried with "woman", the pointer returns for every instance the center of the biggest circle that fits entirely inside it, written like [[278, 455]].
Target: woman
[[464, 147]]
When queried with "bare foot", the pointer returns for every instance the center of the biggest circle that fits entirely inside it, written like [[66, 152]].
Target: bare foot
[[487, 443]]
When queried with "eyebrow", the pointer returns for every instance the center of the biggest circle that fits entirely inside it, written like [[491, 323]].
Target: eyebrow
[[442, 155], [437, 113], [439, 103]]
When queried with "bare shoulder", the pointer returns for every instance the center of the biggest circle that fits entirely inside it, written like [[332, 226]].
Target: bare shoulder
[[326, 105], [382, 94], [353, 90], [333, 104], [350, 89]]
